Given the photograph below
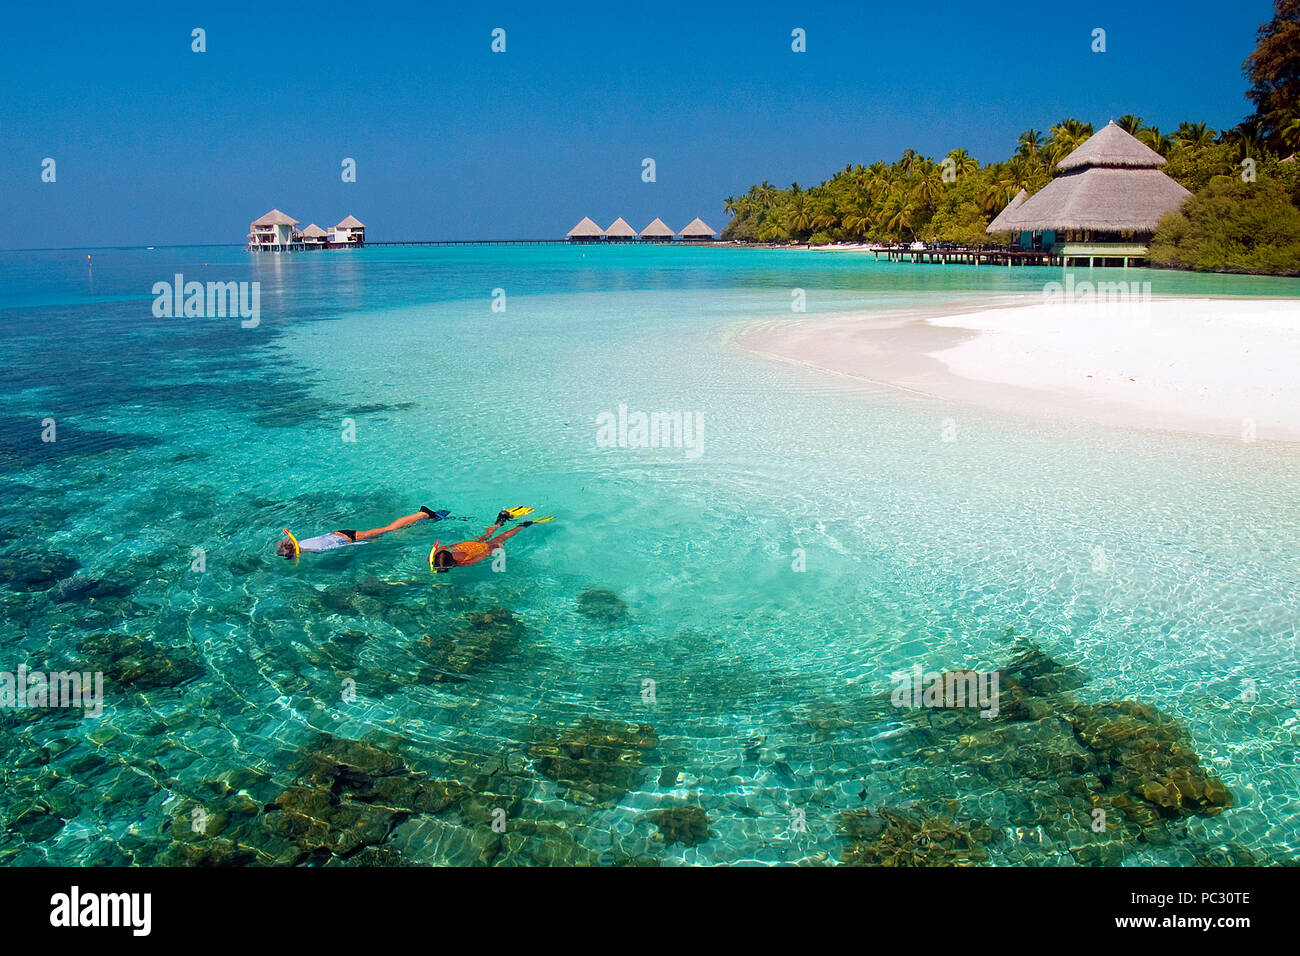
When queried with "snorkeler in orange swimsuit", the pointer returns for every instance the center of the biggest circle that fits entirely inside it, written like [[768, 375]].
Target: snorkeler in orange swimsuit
[[465, 553]]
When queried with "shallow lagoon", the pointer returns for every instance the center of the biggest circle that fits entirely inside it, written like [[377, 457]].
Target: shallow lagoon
[[1160, 567]]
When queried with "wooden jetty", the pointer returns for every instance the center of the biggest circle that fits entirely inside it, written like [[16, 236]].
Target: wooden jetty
[[968, 255]]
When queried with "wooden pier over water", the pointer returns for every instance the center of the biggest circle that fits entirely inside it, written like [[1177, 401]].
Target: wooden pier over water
[[934, 255], [968, 255], [469, 242]]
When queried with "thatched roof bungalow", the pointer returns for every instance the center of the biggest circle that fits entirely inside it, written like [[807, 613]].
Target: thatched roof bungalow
[[273, 232], [313, 235], [657, 230], [697, 228], [350, 232], [1000, 223], [585, 231], [619, 229], [1105, 205]]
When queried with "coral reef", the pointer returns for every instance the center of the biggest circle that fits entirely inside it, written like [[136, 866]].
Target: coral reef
[[28, 570], [483, 638], [597, 761], [1068, 760], [138, 663], [602, 606], [891, 838], [687, 824]]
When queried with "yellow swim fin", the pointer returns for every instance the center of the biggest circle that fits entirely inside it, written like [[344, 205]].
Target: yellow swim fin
[[542, 520], [519, 512]]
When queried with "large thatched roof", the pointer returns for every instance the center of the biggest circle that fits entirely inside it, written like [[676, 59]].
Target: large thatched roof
[[1113, 147], [275, 218], [351, 222], [1000, 223], [657, 230], [313, 232], [697, 228], [585, 230], [619, 229], [1112, 183]]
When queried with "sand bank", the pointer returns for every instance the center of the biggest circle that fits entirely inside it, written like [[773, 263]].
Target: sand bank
[[1225, 367]]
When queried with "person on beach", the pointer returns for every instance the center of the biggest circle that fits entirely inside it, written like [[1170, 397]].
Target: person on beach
[[465, 553], [290, 547]]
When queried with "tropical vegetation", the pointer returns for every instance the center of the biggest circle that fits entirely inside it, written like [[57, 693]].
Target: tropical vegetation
[[953, 198]]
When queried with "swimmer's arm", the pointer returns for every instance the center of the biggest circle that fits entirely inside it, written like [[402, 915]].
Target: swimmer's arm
[[509, 534]]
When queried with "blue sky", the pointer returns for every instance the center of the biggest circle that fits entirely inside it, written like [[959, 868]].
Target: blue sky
[[155, 144]]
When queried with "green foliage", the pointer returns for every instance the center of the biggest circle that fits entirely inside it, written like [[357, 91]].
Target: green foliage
[[1195, 166], [955, 198], [1274, 72], [1233, 226]]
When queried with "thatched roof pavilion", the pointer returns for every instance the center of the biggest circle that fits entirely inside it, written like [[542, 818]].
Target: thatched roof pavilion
[[272, 232], [999, 224], [314, 235], [658, 229], [619, 229], [586, 229], [697, 228], [275, 218], [1106, 204]]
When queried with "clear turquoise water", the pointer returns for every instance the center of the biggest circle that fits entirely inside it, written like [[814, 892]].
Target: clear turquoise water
[[183, 433]]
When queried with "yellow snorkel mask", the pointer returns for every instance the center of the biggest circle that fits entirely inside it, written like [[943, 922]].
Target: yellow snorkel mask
[[297, 549]]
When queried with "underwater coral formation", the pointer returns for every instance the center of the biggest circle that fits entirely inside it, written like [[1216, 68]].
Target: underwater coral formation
[[481, 639], [687, 825], [1102, 778], [596, 761], [602, 606], [891, 838], [138, 663]]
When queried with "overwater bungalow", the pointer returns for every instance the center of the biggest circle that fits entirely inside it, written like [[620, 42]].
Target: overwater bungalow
[[1104, 208], [350, 232], [313, 235], [657, 231], [620, 230], [697, 229], [272, 232], [585, 231]]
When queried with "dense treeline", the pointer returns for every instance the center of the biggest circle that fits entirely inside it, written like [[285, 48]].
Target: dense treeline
[[954, 198]]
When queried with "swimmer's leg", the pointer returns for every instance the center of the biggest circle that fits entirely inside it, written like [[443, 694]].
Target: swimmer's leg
[[397, 525]]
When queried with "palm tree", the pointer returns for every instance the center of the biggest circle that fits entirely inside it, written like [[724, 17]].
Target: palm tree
[[899, 211], [910, 160], [1026, 175], [801, 214], [1247, 137], [1130, 124], [766, 194], [772, 229], [963, 162], [1194, 136], [860, 218], [1291, 134], [1029, 143], [929, 188], [1162, 143], [1071, 133]]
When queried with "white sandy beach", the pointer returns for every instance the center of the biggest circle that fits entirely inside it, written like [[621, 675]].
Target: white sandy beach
[[1224, 367]]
